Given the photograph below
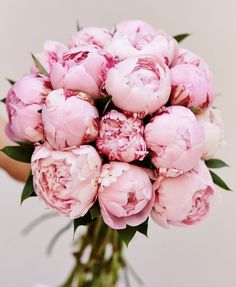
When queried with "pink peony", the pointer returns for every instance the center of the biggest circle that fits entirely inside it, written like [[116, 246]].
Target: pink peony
[[125, 195], [52, 53], [191, 87], [67, 181], [83, 69], [176, 140], [187, 57], [24, 104], [121, 138], [213, 127], [139, 85], [68, 120], [184, 200], [137, 38], [100, 37]]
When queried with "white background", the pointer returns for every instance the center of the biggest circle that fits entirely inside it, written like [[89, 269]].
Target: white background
[[204, 255]]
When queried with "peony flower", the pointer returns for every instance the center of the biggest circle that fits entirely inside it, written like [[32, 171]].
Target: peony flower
[[121, 138], [52, 53], [176, 140], [67, 181], [184, 200], [24, 104], [187, 57], [213, 126], [139, 85], [125, 195], [100, 37], [137, 38], [83, 69], [68, 120], [191, 87]]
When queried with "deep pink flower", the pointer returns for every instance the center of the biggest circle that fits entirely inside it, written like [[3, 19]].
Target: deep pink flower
[[125, 195], [121, 138], [67, 181]]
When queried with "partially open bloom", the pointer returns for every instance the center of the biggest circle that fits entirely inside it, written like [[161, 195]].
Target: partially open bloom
[[67, 181], [176, 140], [68, 120], [187, 57], [191, 87], [121, 138], [97, 36], [137, 38], [125, 195], [52, 53], [83, 69], [139, 85], [24, 104], [213, 127], [184, 200]]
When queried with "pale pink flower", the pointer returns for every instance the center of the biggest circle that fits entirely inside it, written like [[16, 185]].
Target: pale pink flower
[[213, 127], [97, 36], [52, 53], [137, 38], [67, 181], [176, 140], [24, 104], [68, 120], [121, 138], [191, 87], [125, 195], [184, 200], [83, 69], [139, 85]]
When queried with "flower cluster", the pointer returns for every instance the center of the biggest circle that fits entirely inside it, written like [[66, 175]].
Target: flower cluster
[[122, 119]]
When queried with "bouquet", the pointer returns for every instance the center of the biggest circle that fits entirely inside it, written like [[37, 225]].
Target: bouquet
[[119, 127]]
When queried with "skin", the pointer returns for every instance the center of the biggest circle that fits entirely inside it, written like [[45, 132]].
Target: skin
[[15, 169]]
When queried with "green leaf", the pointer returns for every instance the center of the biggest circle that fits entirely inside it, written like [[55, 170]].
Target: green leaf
[[95, 211], [82, 221], [4, 100], [26, 146], [19, 153], [218, 181], [143, 228], [127, 234], [179, 38], [102, 104], [40, 67], [11, 82], [78, 27], [28, 190], [215, 163]]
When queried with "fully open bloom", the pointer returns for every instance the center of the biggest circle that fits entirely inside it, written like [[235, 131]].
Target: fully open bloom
[[121, 138], [184, 200], [67, 181], [213, 127], [68, 120], [176, 140], [125, 195], [137, 38], [24, 104], [139, 85], [83, 69], [191, 87], [100, 37], [52, 53]]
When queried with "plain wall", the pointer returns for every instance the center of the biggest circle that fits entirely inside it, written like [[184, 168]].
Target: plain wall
[[203, 255]]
